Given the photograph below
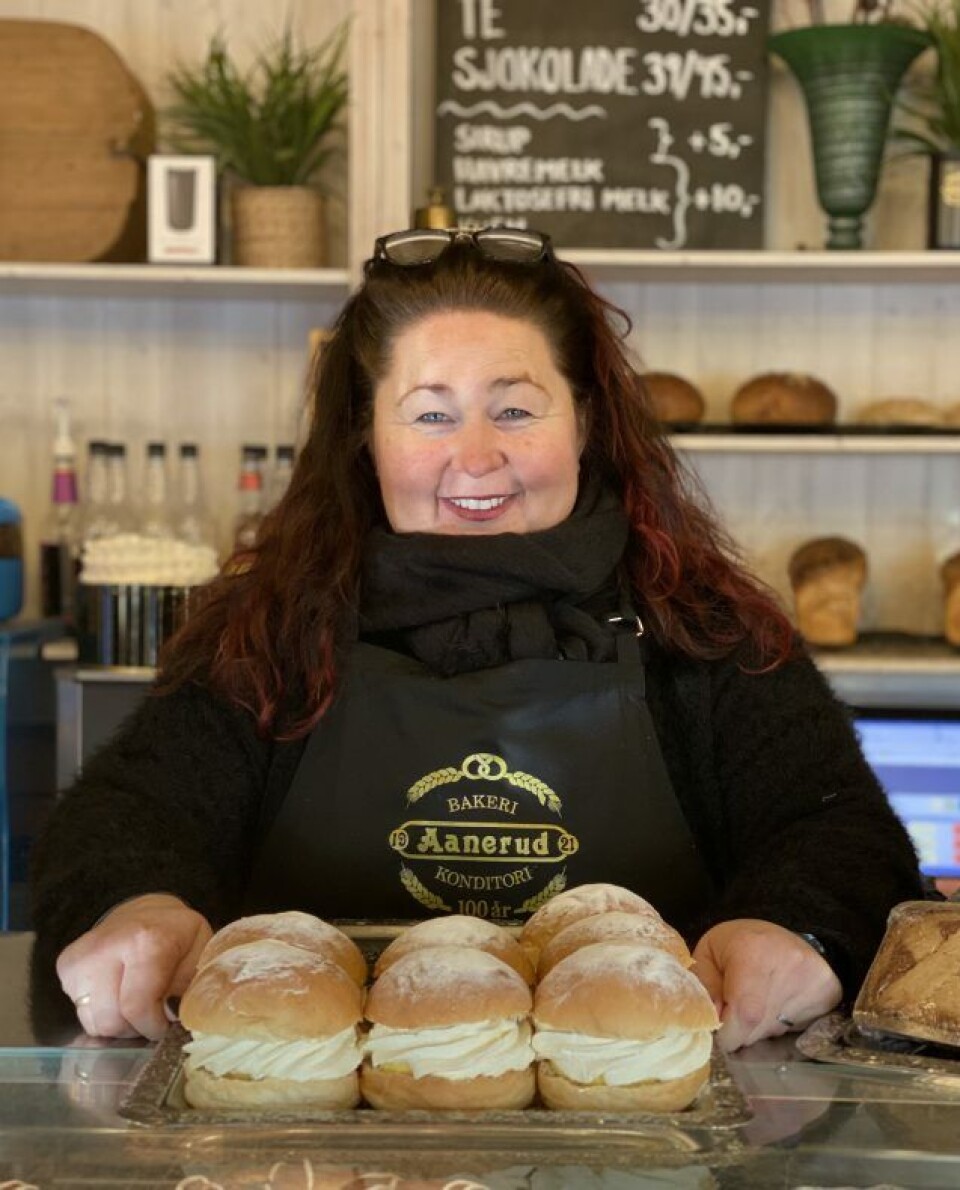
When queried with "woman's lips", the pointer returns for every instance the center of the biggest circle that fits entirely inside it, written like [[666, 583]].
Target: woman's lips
[[477, 508]]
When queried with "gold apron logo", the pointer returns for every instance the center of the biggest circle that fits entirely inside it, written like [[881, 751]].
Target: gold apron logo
[[512, 852]]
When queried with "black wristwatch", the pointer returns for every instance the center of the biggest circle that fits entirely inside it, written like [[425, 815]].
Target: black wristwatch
[[814, 941]]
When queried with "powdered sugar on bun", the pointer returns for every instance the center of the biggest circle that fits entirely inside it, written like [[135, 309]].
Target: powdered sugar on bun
[[585, 900], [296, 928], [458, 930], [446, 985], [271, 990], [615, 926], [612, 989]]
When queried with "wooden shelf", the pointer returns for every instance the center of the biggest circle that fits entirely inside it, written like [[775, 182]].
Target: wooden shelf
[[863, 268], [894, 669], [625, 264], [821, 444], [181, 281]]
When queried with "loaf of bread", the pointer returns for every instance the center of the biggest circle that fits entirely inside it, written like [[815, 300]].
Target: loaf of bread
[[951, 415], [450, 1030], [913, 985], [574, 904], [273, 1026], [901, 411], [458, 930], [827, 575], [950, 574], [784, 398], [674, 399], [622, 1027]]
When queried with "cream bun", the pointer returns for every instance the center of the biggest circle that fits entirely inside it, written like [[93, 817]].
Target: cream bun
[[297, 929], [622, 1027], [450, 1030], [273, 1025], [458, 930], [616, 926], [584, 900]]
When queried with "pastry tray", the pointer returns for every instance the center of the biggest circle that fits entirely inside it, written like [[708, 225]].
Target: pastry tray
[[157, 1098], [836, 1038]]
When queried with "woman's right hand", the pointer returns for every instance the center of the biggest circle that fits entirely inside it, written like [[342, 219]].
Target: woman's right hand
[[121, 973]]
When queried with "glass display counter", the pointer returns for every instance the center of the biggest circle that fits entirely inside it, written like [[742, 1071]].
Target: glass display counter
[[812, 1124]]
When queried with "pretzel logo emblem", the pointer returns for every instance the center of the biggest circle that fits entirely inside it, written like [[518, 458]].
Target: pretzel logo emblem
[[484, 766]]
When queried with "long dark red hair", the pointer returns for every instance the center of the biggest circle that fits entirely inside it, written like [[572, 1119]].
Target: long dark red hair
[[270, 631]]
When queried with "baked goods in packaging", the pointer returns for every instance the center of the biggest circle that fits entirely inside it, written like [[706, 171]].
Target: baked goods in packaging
[[901, 411], [622, 1027], [616, 926], [673, 398], [273, 1025], [784, 398], [296, 928], [584, 900], [913, 985], [450, 1030], [827, 575], [458, 930], [950, 574]]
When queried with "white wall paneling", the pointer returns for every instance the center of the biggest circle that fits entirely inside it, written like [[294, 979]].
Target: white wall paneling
[[221, 358]]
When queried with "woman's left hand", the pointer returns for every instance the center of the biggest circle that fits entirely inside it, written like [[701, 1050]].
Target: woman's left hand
[[764, 979]]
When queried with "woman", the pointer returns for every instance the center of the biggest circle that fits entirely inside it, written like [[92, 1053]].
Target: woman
[[487, 646]]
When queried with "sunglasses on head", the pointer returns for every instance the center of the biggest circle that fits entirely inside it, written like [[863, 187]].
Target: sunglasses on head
[[426, 245]]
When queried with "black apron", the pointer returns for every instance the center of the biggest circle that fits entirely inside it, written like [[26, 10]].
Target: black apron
[[484, 793]]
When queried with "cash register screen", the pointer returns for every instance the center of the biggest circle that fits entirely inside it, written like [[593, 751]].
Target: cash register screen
[[917, 761]]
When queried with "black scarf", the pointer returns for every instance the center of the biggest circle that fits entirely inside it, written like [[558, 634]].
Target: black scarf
[[462, 603]]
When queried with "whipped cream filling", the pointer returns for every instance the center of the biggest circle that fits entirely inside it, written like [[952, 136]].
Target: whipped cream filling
[[300, 1061], [455, 1051], [620, 1061]]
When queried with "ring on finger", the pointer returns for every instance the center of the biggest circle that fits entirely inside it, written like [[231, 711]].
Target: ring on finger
[[785, 1021], [82, 1001]]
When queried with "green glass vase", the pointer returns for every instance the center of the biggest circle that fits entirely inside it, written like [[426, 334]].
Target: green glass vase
[[849, 75]]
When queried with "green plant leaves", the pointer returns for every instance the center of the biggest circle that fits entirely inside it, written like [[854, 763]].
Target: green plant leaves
[[275, 124]]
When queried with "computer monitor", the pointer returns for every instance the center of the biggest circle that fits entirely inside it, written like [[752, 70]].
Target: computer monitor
[[916, 758]]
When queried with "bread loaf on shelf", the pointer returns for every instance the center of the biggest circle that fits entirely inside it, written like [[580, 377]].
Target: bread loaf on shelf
[[913, 985], [950, 574], [673, 398], [827, 575], [784, 398], [901, 411]]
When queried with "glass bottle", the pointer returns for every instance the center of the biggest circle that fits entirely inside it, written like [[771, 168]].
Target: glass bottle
[[118, 499], [250, 502], [97, 517], [281, 475], [155, 518], [60, 536], [193, 523]]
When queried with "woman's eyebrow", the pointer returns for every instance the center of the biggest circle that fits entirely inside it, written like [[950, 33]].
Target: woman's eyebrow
[[439, 390]]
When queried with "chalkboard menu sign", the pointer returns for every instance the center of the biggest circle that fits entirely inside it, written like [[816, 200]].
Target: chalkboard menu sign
[[608, 123]]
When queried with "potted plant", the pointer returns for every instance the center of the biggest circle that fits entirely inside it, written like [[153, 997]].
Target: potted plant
[[271, 128], [933, 107], [849, 74]]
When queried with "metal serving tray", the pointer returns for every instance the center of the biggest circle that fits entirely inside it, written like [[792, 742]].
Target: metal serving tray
[[836, 1038], [157, 1098]]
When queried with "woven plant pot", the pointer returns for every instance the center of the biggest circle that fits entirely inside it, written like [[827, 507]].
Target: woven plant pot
[[277, 227]]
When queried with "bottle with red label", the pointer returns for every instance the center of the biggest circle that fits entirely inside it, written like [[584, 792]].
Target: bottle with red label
[[251, 501]]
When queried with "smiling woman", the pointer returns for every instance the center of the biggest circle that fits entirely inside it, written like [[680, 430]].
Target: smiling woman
[[424, 688], [475, 429]]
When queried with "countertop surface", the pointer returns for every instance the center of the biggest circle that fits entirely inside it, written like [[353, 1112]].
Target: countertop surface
[[810, 1124]]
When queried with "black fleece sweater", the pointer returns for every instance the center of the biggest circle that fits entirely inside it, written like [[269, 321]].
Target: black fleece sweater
[[789, 817]]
